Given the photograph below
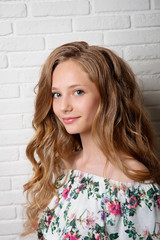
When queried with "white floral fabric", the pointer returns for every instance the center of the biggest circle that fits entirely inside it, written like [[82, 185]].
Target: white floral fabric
[[95, 208]]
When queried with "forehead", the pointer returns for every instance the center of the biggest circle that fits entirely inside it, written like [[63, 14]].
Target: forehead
[[70, 71]]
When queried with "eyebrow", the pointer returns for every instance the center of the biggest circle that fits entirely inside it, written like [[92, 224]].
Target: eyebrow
[[71, 86]]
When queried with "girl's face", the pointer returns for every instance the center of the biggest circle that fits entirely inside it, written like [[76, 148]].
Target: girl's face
[[75, 97]]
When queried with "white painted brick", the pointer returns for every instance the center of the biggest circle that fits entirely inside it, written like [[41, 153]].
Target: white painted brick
[[9, 91], [22, 44], [32, 59], [151, 98], [156, 4], [22, 150], [27, 120], [19, 181], [11, 197], [43, 26], [146, 20], [117, 49], [7, 213], [20, 210], [3, 61], [5, 28], [9, 154], [9, 237], [15, 168], [13, 137], [5, 184], [20, 76], [11, 121], [15, 10], [90, 37], [18, 106], [11, 227], [154, 113], [116, 5], [132, 37], [145, 67], [60, 8], [101, 23], [142, 52], [149, 82], [27, 90]]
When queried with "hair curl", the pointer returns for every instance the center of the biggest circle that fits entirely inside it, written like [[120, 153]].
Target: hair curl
[[121, 124]]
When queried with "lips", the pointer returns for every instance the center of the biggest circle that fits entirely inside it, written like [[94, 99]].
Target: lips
[[70, 119]]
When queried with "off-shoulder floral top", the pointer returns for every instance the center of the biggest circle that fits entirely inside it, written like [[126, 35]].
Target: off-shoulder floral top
[[95, 208]]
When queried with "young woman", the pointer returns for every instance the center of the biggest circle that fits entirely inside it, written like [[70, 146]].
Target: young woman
[[96, 175]]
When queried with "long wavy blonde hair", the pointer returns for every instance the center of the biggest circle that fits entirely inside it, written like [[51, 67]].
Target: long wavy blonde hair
[[121, 124]]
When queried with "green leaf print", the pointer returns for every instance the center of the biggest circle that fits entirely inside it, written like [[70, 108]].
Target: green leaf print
[[113, 236], [73, 223], [98, 228], [150, 193]]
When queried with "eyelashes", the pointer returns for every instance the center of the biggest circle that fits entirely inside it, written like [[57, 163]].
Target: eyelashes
[[78, 92]]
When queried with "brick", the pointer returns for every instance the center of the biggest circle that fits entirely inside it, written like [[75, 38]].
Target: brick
[[142, 52], [5, 184], [43, 26], [9, 154], [20, 210], [154, 113], [11, 227], [18, 106], [11, 197], [22, 150], [156, 4], [90, 37], [123, 5], [151, 98], [27, 120], [8, 237], [5, 28], [145, 67], [61, 8], [13, 137], [22, 167], [20, 76], [28, 237], [146, 20], [9, 91], [12, 10], [149, 82], [11, 122], [116, 49], [101, 23], [7, 213], [32, 59], [22, 44], [3, 61], [27, 90], [19, 181], [132, 37]]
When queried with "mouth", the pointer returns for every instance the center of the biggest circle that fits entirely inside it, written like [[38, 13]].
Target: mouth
[[70, 120]]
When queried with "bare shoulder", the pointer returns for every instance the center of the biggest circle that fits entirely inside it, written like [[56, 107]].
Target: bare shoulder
[[132, 164]]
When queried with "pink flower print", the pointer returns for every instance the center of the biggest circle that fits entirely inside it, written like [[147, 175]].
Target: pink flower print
[[114, 208], [158, 200], [66, 192], [81, 176], [90, 219], [133, 202], [72, 216], [70, 236], [77, 190], [97, 236], [145, 233], [81, 186], [48, 220]]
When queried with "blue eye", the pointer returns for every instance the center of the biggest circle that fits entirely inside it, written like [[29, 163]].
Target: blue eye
[[55, 95], [79, 92]]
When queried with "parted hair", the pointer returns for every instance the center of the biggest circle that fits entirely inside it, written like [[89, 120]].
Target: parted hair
[[121, 124]]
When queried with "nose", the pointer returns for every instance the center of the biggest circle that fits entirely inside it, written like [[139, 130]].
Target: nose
[[66, 104]]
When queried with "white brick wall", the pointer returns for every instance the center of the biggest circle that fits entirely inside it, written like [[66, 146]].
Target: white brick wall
[[29, 30]]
